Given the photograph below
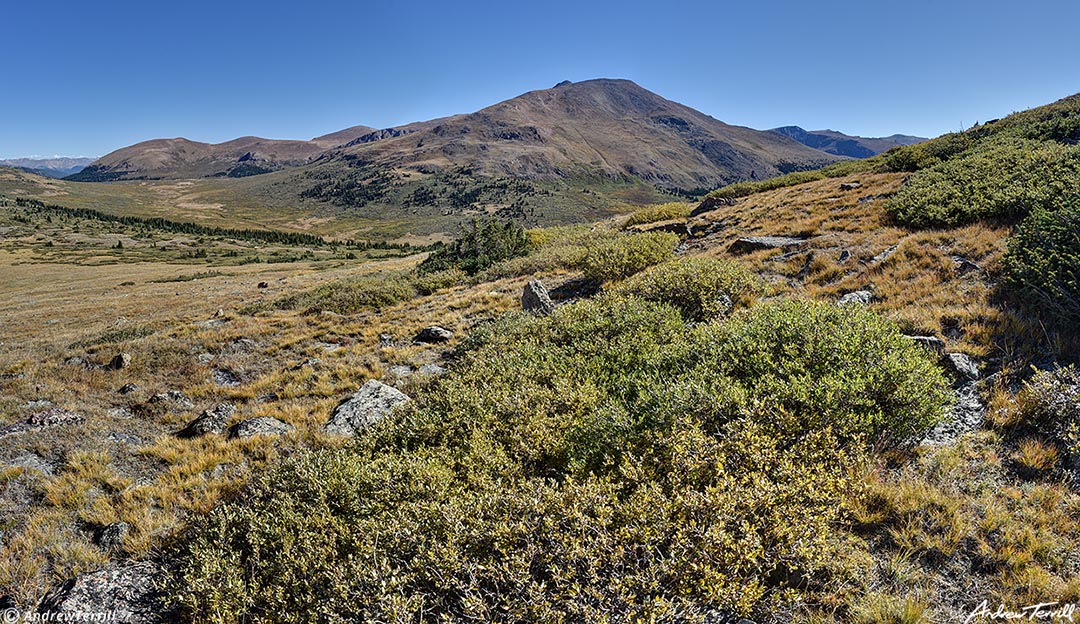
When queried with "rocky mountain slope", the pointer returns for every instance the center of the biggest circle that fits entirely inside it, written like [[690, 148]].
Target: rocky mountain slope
[[840, 144], [182, 158]]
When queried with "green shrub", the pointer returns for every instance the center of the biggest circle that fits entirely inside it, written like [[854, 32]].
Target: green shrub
[[1003, 179], [603, 463], [660, 212], [552, 248], [481, 244], [622, 256], [700, 288], [354, 295], [1050, 407], [1042, 265], [427, 283]]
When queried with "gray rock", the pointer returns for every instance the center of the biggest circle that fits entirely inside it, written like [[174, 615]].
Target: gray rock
[[399, 370], [38, 404], [883, 256], [964, 266], [204, 358], [211, 421], [263, 425], [173, 398], [430, 370], [52, 417], [748, 244], [386, 340], [33, 461], [850, 186], [308, 363], [370, 404], [119, 361], [535, 298], [962, 365], [858, 297], [125, 438], [78, 362], [434, 333], [226, 378], [933, 343], [844, 255], [966, 414], [133, 592], [113, 535], [127, 388], [120, 411]]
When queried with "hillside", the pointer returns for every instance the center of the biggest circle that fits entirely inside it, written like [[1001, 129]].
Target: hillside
[[840, 144], [183, 159], [51, 167]]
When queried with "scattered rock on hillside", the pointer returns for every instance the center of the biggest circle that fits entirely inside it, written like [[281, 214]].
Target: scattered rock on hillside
[[964, 266], [748, 244], [535, 298], [127, 388], [858, 297], [211, 421], [883, 256], [119, 361], [173, 398], [132, 589], [966, 414], [430, 370], [112, 536], [370, 404], [33, 461], [226, 378], [434, 333], [264, 285], [711, 203], [386, 340], [933, 343], [262, 425], [962, 365], [850, 186], [844, 255], [308, 363], [78, 362], [52, 417]]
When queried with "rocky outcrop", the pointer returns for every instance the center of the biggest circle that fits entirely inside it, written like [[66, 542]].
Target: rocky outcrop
[[172, 398], [710, 204], [749, 244], [52, 417], [260, 426], [963, 366], [119, 361], [130, 593], [858, 297], [212, 420], [931, 343], [535, 298], [370, 404], [433, 334]]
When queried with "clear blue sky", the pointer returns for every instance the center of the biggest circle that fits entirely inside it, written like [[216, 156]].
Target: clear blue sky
[[84, 78]]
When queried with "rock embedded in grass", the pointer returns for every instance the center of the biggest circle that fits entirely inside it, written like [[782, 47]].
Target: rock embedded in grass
[[932, 343], [962, 365], [211, 421], [748, 244], [131, 589], [434, 333], [535, 298], [858, 297], [370, 404], [120, 361], [262, 425]]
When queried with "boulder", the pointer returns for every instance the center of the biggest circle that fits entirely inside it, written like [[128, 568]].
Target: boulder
[[535, 298], [434, 333], [119, 361], [226, 378], [211, 421], [749, 244], [133, 590], [127, 388], [173, 398], [850, 186], [263, 425], [710, 204], [370, 404], [858, 297], [932, 343], [962, 365], [264, 285]]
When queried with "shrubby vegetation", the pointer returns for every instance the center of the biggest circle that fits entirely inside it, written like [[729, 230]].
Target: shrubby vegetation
[[621, 256], [1004, 179], [480, 245], [1050, 409], [604, 463], [836, 170], [700, 288], [1042, 266], [660, 212]]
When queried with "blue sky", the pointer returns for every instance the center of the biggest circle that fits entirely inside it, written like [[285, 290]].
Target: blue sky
[[84, 78]]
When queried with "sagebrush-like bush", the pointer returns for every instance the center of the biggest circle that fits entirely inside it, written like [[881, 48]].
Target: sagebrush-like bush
[[1042, 265], [1003, 179], [622, 256], [603, 463], [354, 295], [700, 288], [1050, 405]]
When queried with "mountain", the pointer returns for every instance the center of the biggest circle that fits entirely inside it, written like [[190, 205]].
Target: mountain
[[833, 142], [50, 167], [604, 127], [181, 158]]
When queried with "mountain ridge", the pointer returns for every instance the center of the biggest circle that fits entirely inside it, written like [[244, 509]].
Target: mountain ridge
[[838, 143]]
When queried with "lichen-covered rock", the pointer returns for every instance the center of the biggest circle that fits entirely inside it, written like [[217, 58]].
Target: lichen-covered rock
[[748, 244], [121, 360], [535, 298], [962, 365], [263, 425], [434, 333], [858, 297], [370, 404], [132, 593], [211, 421], [52, 417], [932, 343]]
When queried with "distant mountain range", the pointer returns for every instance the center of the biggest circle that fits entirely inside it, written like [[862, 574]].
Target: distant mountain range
[[840, 144], [49, 167], [611, 127]]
